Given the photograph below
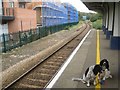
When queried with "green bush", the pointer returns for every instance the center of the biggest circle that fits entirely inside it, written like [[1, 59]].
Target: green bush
[[97, 24], [67, 28], [93, 19]]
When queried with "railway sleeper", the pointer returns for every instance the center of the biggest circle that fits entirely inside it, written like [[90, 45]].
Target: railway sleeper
[[51, 67], [57, 60], [39, 76], [45, 71], [26, 86]]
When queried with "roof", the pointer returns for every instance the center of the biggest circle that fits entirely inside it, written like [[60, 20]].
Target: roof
[[98, 5]]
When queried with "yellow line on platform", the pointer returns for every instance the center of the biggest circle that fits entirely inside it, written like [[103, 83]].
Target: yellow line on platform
[[97, 87]]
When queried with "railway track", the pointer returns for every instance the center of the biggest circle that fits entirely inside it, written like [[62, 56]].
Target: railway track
[[42, 74]]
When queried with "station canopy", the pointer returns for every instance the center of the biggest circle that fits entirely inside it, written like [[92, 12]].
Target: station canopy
[[98, 5]]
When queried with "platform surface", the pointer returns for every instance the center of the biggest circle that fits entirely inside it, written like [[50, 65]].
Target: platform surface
[[85, 57]]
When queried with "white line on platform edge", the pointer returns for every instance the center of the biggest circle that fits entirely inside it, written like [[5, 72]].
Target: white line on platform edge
[[66, 63]]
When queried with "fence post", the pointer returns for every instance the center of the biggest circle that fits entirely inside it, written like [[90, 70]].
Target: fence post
[[31, 35], [44, 31], [20, 39], [39, 32], [50, 29], [4, 43]]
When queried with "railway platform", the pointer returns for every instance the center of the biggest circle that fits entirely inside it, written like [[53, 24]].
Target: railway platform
[[84, 57]]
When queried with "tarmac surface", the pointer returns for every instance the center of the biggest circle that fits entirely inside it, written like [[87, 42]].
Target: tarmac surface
[[85, 57]]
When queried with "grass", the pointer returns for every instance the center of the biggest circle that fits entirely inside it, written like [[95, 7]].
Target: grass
[[76, 26]]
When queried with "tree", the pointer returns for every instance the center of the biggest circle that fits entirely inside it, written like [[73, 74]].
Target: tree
[[96, 17]]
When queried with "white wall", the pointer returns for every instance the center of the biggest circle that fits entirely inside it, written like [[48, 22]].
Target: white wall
[[3, 29], [119, 20], [111, 6], [0, 46], [115, 33], [106, 19], [0, 7]]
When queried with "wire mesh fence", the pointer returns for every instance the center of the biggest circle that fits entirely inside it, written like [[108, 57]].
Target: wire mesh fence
[[18, 39]]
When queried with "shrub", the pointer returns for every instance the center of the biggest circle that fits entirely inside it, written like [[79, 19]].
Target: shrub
[[67, 28], [97, 24]]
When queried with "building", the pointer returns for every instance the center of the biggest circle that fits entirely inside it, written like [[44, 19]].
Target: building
[[72, 13], [52, 12], [49, 13], [23, 16], [16, 17], [84, 17], [21, 19]]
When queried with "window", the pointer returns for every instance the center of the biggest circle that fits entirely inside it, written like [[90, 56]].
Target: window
[[11, 4], [21, 5]]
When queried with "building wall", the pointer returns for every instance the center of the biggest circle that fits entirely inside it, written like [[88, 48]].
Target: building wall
[[7, 8], [53, 13], [37, 6], [72, 13], [49, 12], [24, 20], [32, 5]]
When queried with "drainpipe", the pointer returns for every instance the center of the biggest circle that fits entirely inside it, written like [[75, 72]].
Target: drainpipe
[[1, 11], [21, 26]]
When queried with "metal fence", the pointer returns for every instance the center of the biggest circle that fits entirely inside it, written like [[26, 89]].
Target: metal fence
[[18, 39], [8, 11]]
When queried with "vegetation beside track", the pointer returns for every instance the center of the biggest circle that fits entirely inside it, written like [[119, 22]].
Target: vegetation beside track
[[95, 18]]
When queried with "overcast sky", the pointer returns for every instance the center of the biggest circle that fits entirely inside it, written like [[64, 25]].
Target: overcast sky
[[78, 4]]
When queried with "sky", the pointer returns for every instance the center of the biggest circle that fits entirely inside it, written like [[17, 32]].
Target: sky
[[78, 5]]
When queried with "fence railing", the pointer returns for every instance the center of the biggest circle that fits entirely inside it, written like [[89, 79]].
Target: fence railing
[[8, 11], [18, 39]]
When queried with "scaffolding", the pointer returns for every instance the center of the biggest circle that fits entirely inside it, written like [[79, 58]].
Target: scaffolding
[[72, 13], [53, 14]]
